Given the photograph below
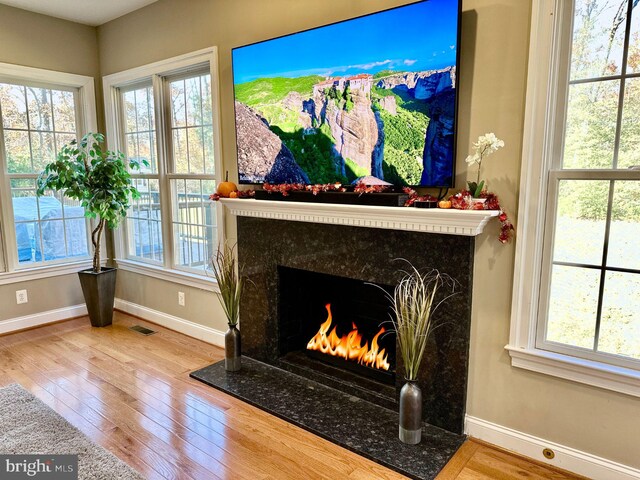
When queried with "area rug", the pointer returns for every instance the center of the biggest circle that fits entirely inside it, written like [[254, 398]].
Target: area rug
[[28, 426]]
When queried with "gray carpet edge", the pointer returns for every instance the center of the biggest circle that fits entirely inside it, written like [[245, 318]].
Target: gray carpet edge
[[29, 426]]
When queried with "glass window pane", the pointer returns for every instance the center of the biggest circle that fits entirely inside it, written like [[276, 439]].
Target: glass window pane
[[580, 221], [624, 235], [39, 105], [132, 146], [145, 148], [629, 153], [18, 150], [196, 149], [591, 125], [50, 206], [180, 155], [76, 236], [209, 158], [28, 242], [194, 101], [139, 127], [598, 37], [42, 150], [194, 223], [620, 324], [129, 107], [205, 82], [573, 306], [14, 106], [64, 111], [53, 240], [144, 222], [24, 200], [143, 109], [178, 107]]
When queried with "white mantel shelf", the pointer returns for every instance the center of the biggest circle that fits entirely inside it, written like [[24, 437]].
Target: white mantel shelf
[[432, 220]]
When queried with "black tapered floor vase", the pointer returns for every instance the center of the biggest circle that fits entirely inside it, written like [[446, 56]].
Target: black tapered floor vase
[[99, 291]]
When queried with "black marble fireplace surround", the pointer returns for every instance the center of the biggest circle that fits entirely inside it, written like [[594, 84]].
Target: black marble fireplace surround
[[367, 254]]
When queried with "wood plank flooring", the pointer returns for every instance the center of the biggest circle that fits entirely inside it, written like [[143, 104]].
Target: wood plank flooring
[[132, 394]]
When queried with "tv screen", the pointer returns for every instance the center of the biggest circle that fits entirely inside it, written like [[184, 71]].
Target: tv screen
[[370, 99]]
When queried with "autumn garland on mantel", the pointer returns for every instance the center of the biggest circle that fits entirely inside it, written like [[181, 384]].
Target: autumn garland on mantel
[[415, 197], [286, 188], [459, 201], [465, 201], [239, 194]]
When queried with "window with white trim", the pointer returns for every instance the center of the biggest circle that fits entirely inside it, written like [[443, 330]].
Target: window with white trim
[[165, 113], [38, 117], [584, 271]]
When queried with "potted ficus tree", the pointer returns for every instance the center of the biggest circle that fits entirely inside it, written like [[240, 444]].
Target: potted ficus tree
[[100, 181]]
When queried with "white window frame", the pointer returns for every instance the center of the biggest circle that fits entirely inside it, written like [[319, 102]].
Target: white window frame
[[86, 122], [550, 41], [157, 72]]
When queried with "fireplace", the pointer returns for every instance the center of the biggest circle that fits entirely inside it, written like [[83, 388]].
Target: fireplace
[[298, 268], [338, 321]]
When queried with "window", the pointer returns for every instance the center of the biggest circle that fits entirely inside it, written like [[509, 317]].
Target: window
[[586, 310], [165, 113], [38, 115]]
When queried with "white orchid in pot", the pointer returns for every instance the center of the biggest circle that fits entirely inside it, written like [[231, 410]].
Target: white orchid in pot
[[485, 146]]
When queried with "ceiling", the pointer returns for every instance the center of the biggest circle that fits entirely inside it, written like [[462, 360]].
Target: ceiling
[[89, 12]]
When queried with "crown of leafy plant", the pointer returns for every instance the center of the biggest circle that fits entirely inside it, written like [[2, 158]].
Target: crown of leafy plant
[[97, 178]]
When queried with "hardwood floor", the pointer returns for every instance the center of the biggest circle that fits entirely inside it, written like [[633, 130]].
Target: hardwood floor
[[132, 395]]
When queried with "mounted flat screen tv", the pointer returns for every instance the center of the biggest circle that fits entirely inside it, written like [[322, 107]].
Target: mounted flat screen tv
[[369, 99]]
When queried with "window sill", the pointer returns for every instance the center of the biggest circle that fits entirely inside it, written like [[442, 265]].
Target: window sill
[[173, 276], [589, 372], [45, 271]]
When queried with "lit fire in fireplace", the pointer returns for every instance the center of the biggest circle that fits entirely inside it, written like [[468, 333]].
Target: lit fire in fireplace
[[349, 346]]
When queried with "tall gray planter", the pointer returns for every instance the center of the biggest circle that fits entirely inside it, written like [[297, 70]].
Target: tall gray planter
[[99, 291], [232, 349], [410, 430]]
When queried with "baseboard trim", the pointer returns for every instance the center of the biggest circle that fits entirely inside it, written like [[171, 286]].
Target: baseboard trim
[[42, 318], [566, 458], [187, 327]]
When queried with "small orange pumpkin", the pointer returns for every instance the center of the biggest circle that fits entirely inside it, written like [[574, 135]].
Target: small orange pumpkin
[[444, 204], [226, 188]]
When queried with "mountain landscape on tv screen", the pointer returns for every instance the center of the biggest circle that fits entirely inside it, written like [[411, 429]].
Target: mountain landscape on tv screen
[[369, 99]]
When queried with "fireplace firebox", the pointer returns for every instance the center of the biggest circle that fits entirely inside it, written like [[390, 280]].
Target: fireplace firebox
[[343, 322]]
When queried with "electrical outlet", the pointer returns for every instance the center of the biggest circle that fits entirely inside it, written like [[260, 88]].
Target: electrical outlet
[[21, 296], [181, 299]]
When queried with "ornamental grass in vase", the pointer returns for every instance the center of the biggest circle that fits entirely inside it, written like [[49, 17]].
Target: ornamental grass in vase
[[413, 303], [230, 282]]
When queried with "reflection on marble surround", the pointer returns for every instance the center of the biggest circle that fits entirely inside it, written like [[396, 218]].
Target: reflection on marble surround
[[370, 255]]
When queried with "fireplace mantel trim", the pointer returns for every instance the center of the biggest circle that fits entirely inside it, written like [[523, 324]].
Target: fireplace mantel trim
[[434, 220]]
